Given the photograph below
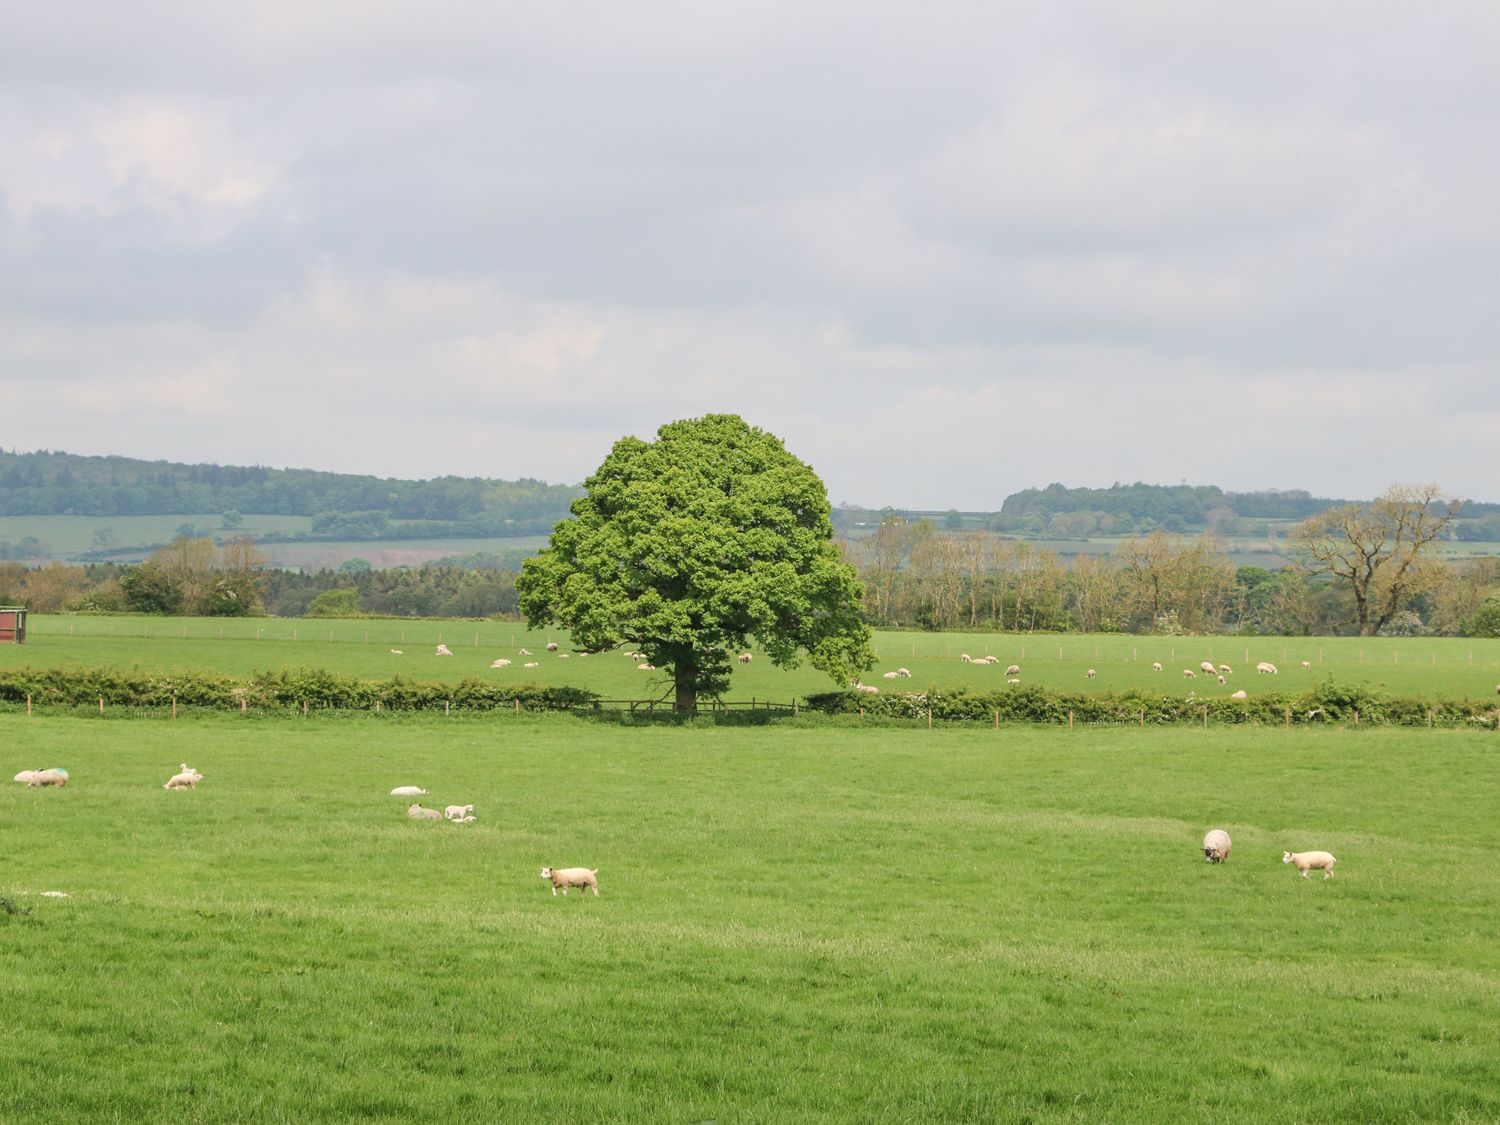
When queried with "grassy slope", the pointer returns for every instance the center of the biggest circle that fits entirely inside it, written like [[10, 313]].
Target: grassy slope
[[797, 924], [1402, 667]]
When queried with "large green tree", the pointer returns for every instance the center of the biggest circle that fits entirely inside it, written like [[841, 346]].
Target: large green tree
[[686, 547]]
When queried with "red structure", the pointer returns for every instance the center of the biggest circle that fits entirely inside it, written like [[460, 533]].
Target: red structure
[[12, 625]]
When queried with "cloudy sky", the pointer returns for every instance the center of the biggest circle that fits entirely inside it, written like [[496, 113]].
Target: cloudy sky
[[945, 250]]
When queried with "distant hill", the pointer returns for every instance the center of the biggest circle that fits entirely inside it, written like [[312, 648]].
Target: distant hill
[[341, 505]]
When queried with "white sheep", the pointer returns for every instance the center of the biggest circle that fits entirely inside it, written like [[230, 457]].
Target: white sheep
[[1156, 667], [1306, 861], [889, 676], [524, 652], [531, 664], [904, 673], [1216, 846], [584, 878], [551, 646], [1225, 670], [395, 652], [25, 776], [417, 812], [1265, 668], [1306, 664], [1091, 673], [408, 791], [562, 656], [645, 667], [745, 657], [868, 689], [1208, 668], [443, 650], [1013, 670], [1013, 680], [1189, 674], [458, 812], [187, 779], [464, 819], [501, 663], [966, 658], [1240, 695], [56, 776], [1222, 681]]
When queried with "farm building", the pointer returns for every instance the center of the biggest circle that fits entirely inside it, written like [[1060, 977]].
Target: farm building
[[12, 625]]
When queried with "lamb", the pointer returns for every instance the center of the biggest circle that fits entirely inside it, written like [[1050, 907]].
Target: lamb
[[395, 652], [1013, 680], [443, 650], [1240, 695], [745, 658], [417, 812], [501, 663], [1156, 667], [1265, 668], [1216, 846], [1189, 674], [645, 667], [904, 673], [531, 664], [1222, 680], [889, 676], [551, 646], [41, 778], [1225, 670], [187, 779], [464, 819], [1208, 668], [1306, 861], [1013, 670], [408, 791], [966, 658], [1091, 673], [1306, 664], [523, 652], [583, 878], [458, 812]]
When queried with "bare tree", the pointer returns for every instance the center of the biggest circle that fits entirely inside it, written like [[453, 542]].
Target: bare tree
[[1375, 550]]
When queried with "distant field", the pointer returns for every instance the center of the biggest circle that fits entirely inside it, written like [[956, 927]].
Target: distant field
[[798, 923], [68, 537], [383, 553], [1445, 667]]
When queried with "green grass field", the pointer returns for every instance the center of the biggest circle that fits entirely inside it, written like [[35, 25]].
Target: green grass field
[[1422, 667], [798, 922]]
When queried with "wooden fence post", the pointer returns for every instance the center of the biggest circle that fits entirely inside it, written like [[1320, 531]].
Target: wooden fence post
[[997, 720], [174, 707], [243, 708], [101, 705], [1205, 718], [518, 705], [28, 705], [1070, 720], [1288, 716], [304, 708], [929, 718]]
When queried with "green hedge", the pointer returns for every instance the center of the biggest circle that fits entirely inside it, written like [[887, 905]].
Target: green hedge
[[1326, 703], [288, 688]]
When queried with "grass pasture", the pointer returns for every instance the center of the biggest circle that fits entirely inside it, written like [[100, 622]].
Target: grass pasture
[[1417, 667], [800, 922]]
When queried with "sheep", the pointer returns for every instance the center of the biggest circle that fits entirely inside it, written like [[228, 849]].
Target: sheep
[[868, 689], [1306, 861], [1013, 680], [531, 664], [889, 676], [1240, 695], [1156, 667], [966, 658], [1207, 668], [41, 778], [1189, 674], [395, 652], [417, 812], [562, 656], [25, 776], [458, 812], [1306, 664], [187, 779], [1091, 673], [551, 646], [443, 650], [501, 663], [464, 819], [745, 657], [1225, 670], [1216, 846], [408, 791], [645, 667], [1265, 668], [524, 652], [1222, 681], [1013, 670], [904, 673], [584, 878]]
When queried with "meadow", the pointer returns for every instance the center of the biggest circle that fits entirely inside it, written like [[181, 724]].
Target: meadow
[[1427, 667], [800, 922]]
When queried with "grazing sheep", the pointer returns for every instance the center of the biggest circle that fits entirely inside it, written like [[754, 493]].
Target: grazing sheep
[[1240, 695], [1225, 670], [1265, 668], [25, 776], [1306, 861], [443, 650], [904, 673], [408, 791], [501, 663], [1207, 668], [1091, 673], [551, 646], [1013, 670], [966, 658], [1189, 674], [582, 877], [1306, 664], [745, 658], [55, 776], [458, 812], [1222, 680], [1156, 667], [417, 812], [1216, 846], [531, 664]]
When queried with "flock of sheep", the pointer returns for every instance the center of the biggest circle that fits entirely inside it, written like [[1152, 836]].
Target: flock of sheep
[[1221, 672], [1217, 843]]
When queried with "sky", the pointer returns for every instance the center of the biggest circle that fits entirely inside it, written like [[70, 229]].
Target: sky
[[944, 251]]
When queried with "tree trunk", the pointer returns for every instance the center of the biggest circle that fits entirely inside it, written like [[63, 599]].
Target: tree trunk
[[685, 676]]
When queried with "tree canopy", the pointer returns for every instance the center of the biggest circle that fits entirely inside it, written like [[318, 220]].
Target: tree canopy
[[687, 547]]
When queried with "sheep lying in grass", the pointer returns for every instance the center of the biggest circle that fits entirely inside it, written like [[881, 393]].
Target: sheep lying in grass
[[443, 650], [523, 652], [1307, 861], [417, 812], [1265, 668], [1240, 695], [458, 812], [531, 664], [582, 877], [41, 778], [889, 676], [1216, 846], [501, 663], [187, 779], [408, 791], [1156, 667]]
